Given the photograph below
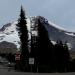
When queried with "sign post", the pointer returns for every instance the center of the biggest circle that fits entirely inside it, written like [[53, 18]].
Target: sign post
[[17, 56], [31, 62], [17, 59]]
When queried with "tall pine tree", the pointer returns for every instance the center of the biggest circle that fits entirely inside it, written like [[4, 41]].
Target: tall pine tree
[[23, 35], [62, 56], [59, 56], [67, 56], [45, 48]]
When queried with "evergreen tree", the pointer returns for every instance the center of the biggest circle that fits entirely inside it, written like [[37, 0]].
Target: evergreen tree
[[62, 56], [23, 34], [34, 51], [66, 53], [59, 56], [44, 48], [66, 57]]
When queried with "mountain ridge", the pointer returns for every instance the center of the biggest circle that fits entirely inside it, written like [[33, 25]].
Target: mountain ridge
[[9, 33]]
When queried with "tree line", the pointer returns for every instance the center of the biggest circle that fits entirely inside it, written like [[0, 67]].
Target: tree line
[[47, 57]]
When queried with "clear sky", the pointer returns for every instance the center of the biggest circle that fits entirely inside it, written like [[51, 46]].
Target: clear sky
[[61, 12]]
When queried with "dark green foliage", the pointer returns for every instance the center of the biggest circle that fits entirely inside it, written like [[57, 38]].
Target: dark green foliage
[[62, 57], [48, 57], [23, 34], [10, 57], [72, 66], [42, 50], [45, 48], [66, 53], [3, 55], [34, 46]]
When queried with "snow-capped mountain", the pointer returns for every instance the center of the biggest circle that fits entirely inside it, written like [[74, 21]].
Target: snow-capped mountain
[[9, 33], [58, 33]]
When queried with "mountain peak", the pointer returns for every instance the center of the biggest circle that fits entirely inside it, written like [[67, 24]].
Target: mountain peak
[[10, 34]]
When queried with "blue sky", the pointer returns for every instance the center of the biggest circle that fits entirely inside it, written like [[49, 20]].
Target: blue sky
[[61, 12]]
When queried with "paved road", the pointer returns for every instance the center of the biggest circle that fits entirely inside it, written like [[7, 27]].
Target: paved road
[[6, 71]]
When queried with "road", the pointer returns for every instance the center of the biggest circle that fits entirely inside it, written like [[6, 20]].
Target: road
[[6, 71]]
